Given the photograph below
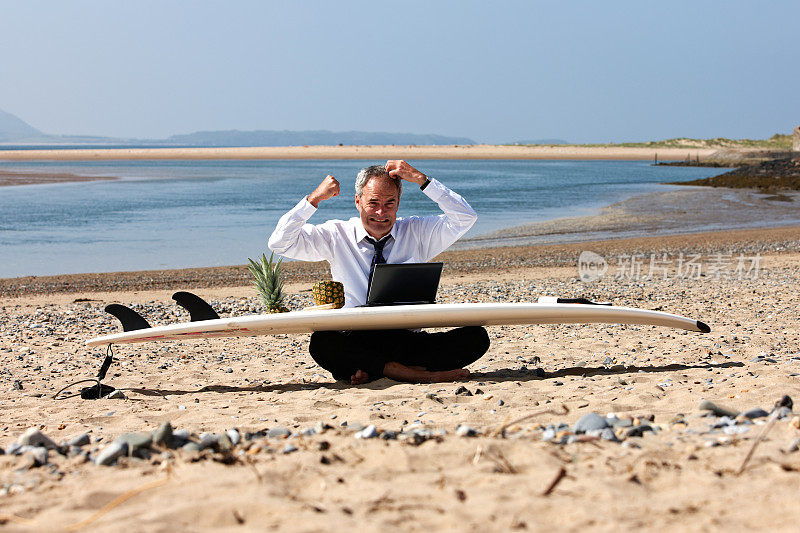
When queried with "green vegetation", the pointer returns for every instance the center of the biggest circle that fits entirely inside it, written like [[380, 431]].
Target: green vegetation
[[778, 141]]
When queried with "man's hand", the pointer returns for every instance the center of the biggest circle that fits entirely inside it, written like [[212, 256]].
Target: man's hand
[[402, 170], [327, 189]]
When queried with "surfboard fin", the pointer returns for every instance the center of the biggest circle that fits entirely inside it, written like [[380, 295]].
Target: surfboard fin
[[554, 300], [130, 319], [198, 308]]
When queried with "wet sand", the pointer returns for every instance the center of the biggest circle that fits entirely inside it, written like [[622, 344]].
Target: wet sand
[[9, 178]]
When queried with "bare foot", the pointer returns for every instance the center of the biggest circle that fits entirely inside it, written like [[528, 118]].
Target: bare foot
[[359, 378], [400, 372]]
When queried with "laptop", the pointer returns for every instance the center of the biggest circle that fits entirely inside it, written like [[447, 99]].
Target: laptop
[[404, 284]]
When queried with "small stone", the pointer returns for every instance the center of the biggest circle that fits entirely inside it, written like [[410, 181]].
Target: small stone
[[17, 385], [501, 403], [463, 391], [224, 443], [609, 435], [163, 435], [389, 435], [752, 414], [322, 427], [34, 437], [608, 361], [233, 435], [466, 431], [111, 453], [785, 401], [135, 441], [638, 431], [308, 432], [278, 432], [79, 440], [783, 412], [191, 447], [289, 448], [117, 395], [590, 421], [369, 432], [718, 410], [37, 456], [209, 440]]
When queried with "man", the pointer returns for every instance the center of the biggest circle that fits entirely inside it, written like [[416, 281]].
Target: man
[[352, 247]]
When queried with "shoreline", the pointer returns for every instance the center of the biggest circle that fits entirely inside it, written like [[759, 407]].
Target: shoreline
[[478, 151], [11, 178], [476, 262]]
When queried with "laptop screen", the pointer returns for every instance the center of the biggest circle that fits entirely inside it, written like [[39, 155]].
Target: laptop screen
[[404, 283]]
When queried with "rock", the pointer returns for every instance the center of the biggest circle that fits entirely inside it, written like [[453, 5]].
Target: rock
[[278, 432], [117, 395], [209, 440], [13, 448], [163, 436], [465, 431], [191, 447], [463, 391], [608, 434], [307, 432], [590, 421], [369, 432], [752, 414], [233, 435], [182, 434], [79, 440], [783, 412], [34, 437], [322, 427], [785, 401], [501, 403], [389, 435], [39, 455], [549, 433], [135, 441], [289, 449], [111, 453], [224, 443], [17, 385], [638, 431], [718, 410]]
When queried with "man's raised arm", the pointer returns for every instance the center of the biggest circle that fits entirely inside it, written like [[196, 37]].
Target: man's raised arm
[[296, 239], [437, 232]]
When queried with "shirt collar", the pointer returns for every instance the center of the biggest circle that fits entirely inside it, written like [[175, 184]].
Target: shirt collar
[[361, 232]]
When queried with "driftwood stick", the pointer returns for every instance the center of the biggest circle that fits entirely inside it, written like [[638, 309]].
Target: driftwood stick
[[562, 473], [758, 440], [501, 429]]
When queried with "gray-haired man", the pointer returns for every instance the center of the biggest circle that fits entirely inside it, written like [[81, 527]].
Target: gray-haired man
[[350, 246]]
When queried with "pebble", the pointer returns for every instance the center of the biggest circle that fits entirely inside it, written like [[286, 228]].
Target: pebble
[[369, 432], [163, 435], [278, 432], [111, 453], [466, 431], [589, 422], [718, 410], [79, 440], [289, 449], [117, 395], [752, 414], [34, 437], [233, 435], [784, 412], [135, 441], [463, 391]]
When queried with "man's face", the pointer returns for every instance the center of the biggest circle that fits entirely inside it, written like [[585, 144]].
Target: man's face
[[378, 205]]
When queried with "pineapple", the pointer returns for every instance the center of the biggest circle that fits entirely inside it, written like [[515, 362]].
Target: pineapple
[[268, 283], [328, 292]]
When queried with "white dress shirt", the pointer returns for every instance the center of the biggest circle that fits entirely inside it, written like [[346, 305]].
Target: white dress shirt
[[413, 239]]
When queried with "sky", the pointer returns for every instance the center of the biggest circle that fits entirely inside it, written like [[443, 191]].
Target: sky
[[504, 71]]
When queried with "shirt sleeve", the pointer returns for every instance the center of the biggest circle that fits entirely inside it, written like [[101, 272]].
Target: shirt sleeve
[[438, 232], [296, 239]]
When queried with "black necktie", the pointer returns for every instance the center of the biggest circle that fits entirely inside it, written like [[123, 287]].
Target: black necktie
[[378, 258]]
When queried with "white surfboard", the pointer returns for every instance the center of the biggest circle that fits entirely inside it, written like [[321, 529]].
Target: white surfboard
[[404, 317]]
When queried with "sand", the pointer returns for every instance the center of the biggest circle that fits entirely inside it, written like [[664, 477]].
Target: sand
[[681, 478], [410, 152]]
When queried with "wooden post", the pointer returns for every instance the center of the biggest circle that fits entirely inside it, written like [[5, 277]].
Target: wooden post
[[796, 140]]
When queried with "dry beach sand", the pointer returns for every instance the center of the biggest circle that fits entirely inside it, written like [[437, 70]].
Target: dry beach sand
[[674, 469], [478, 151]]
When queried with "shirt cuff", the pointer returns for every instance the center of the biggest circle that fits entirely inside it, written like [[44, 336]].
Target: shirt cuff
[[304, 208], [435, 190]]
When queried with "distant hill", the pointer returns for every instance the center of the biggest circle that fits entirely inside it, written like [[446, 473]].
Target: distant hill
[[542, 141], [13, 128], [302, 138]]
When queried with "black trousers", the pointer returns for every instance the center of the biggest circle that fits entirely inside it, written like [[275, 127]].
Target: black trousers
[[343, 352]]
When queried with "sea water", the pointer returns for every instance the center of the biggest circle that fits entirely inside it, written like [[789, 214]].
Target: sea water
[[176, 214]]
